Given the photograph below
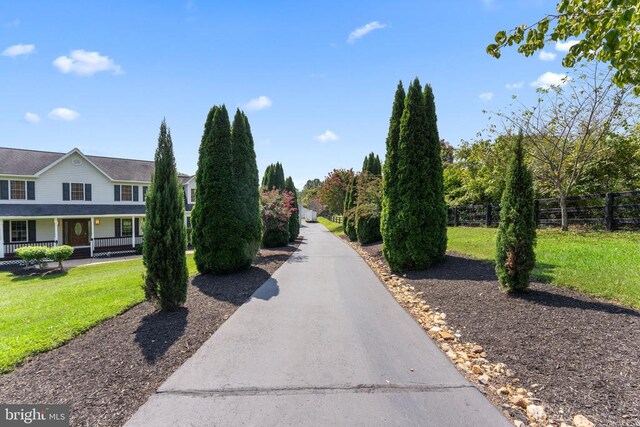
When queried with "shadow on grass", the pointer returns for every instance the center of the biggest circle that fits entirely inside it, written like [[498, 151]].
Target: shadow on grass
[[26, 275], [552, 299], [158, 331]]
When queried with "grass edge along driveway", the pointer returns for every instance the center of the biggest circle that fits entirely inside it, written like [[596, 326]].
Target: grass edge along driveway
[[334, 227], [40, 313], [600, 264]]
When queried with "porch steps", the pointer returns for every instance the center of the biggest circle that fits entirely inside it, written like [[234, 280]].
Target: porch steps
[[79, 253]]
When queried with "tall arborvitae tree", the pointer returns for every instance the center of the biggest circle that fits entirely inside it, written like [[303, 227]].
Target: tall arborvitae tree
[[436, 225], [165, 240], [294, 220], [372, 165], [245, 172], [390, 223], [515, 256], [349, 212], [204, 156], [218, 242], [268, 178], [278, 179], [419, 184]]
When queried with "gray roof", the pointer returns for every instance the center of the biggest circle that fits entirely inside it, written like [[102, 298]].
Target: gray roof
[[124, 169], [14, 161], [32, 210]]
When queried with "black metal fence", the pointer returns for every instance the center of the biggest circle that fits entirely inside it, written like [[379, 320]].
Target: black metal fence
[[610, 211]]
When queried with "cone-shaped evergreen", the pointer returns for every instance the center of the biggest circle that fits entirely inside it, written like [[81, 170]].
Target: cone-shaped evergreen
[[278, 179], [349, 212], [218, 231], [436, 224], [372, 165], [245, 173], [204, 158], [165, 241], [420, 238], [294, 220], [390, 223], [516, 237], [273, 177]]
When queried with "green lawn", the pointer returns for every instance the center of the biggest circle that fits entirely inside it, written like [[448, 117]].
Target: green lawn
[[605, 265], [333, 227], [40, 313]]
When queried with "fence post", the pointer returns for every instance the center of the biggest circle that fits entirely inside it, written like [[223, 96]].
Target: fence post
[[488, 215], [608, 212], [536, 211], [456, 218]]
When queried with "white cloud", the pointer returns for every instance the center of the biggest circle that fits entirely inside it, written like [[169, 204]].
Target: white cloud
[[12, 24], [512, 86], [548, 79], [364, 30], [259, 103], [18, 50], [547, 56], [318, 75], [31, 118], [63, 114], [327, 136], [85, 63], [565, 46], [486, 96]]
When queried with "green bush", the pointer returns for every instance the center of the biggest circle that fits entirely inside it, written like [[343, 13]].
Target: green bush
[[275, 237], [32, 253], [368, 224], [59, 254]]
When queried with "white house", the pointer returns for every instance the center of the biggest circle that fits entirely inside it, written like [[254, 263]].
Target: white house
[[95, 204]]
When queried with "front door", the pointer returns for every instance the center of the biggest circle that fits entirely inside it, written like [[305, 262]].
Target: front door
[[76, 232]]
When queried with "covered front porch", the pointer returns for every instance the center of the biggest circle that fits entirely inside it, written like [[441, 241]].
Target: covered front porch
[[90, 236]]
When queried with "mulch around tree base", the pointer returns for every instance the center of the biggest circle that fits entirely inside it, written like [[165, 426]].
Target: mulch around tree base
[[578, 354], [106, 374]]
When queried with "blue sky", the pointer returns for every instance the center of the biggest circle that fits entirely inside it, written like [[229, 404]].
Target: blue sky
[[316, 78]]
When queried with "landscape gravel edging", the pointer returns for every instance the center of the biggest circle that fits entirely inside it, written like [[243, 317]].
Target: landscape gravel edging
[[495, 380]]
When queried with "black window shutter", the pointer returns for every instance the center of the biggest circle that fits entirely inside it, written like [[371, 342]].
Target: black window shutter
[[6, 230], [136, 227], [188, 222], [117, 222], [31, 190], [144, 192], [87, 192], [4, 189], [116, 193], [135, 193], [65, 191], [31, 225]]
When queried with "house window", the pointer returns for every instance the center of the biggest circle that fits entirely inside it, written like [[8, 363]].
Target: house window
[[18, 190], [77, 191], [19, 231], [126, 229], [126, 193], [144, 192], [193, 195]]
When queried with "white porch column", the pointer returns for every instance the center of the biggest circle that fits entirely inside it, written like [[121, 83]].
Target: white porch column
[[1, 238], [55, 230], [133, 231], [93, 234]]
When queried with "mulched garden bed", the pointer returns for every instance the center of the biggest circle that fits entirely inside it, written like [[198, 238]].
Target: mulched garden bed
[[578, 354], [108, 372]]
